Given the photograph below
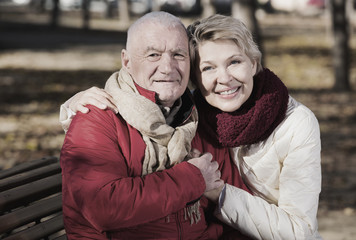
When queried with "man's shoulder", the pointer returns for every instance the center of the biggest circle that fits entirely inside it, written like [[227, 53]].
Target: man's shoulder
[[97, 118], [99, 114]]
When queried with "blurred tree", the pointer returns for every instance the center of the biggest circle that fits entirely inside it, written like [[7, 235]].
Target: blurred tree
[[38, 6], [55, 14], [123, 6], [86, 13], [155, 5], [208, 8], [341, 56], [245, 10], [109, 9]]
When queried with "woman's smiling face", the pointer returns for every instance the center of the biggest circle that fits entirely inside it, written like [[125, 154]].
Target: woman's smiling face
[[225, 74]]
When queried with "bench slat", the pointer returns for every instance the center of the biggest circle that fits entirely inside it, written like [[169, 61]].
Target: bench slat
[[26, 166], [29, 176], [63, 237], [39, 231], [31, 201], [31, 213], [30, 192]]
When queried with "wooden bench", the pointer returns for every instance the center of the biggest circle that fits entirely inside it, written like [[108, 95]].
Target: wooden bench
[[31, 201]]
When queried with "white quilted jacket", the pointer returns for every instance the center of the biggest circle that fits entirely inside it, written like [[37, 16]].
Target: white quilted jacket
[[284, 172]]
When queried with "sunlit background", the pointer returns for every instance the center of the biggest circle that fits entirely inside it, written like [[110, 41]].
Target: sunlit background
[[51, 49]]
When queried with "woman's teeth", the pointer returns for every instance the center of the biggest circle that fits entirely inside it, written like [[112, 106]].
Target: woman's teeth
[[229, 91]]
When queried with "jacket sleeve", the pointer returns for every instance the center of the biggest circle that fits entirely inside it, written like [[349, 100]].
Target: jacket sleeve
[[97, 177], [294, 216]]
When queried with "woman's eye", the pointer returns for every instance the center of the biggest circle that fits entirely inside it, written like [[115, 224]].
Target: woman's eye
[[207, 68], [235, 62]]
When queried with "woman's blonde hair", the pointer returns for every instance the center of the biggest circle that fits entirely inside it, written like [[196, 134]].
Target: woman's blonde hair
[[219, 27]]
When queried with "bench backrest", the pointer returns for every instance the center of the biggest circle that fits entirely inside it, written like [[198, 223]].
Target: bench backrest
[[31, 201]]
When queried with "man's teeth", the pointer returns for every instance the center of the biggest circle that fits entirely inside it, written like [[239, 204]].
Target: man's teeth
[[229, 91]]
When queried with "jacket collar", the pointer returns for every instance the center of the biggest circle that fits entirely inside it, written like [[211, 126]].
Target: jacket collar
[[185, 110], [151, 95]]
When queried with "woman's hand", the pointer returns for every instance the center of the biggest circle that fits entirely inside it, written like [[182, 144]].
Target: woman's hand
[[95, 96], [214, 194]]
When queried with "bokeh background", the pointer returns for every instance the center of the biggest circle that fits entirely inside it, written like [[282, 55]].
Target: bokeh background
[[51, 49]]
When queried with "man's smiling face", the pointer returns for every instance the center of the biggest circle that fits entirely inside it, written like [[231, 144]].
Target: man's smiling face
[[158, 60]]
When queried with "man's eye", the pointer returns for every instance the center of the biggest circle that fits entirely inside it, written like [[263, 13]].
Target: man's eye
[[153, 56], [179, 56]]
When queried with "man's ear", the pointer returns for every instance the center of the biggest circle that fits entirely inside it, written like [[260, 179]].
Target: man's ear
[[125, 59]]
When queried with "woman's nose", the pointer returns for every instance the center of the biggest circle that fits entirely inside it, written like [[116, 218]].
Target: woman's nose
[[224, 76]]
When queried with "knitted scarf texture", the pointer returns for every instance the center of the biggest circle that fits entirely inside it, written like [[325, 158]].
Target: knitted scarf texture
[[165, 145], [253, 122]]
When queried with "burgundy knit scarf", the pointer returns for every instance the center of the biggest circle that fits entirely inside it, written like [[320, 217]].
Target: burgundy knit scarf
[[254, 121]]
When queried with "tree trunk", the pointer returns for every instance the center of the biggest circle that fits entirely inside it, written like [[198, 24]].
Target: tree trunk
[[86, 13], [340, 51], [245, 10], [124, 15], [55, 14]]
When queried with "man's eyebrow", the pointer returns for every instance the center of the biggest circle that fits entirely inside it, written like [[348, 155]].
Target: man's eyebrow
[[180, 50], [150, 48], [177, 50]]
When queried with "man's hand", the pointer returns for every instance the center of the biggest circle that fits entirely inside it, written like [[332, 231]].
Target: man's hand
[[209, 170], [94, 96]]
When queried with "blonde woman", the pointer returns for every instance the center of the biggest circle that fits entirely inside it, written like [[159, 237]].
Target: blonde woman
[[274, 140]]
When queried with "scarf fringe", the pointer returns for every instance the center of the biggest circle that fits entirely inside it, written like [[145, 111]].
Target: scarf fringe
[[193, 213]]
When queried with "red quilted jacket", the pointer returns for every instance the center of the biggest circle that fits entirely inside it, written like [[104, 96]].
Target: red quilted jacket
[[105, 196]]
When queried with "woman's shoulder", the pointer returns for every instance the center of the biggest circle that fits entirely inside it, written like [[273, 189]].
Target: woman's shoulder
[[296, 108], [299, 116], [299, 124], [299, 127]]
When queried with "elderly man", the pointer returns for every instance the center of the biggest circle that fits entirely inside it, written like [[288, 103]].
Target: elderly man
[[125, 175]]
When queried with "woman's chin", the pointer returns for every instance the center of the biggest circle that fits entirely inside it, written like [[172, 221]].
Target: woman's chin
[[228, 107]]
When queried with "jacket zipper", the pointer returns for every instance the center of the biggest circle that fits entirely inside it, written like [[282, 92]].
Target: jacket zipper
[[179, 226]]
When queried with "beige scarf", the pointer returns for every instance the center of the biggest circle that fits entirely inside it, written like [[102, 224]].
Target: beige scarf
[[165, 145]]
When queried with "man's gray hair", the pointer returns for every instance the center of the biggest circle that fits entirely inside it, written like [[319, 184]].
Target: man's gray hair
[[162, 18]]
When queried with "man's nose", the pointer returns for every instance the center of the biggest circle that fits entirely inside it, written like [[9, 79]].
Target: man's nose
[[166, 64]]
